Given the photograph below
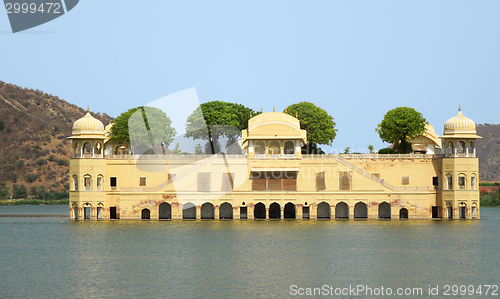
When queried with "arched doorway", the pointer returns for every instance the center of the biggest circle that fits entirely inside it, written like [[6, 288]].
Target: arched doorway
[[274, 211], [259, 211], [342, 211], [188, 211], [207, 211], [226, 211], [462, 211], [403, 213], [324, 210], [165, 211], [145, 214], [289, 212], [360, 210], [384, 210]]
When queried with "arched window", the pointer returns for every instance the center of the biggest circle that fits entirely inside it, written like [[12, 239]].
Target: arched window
[[260, 150], [449, 182], [98, 148], [87, 148], [461, 181], [473, 182], [461, 147], [449, 149], [87, 182], [76, 150], [75, 182], [100, 181], [274, 149], [289, 149], [472, 149]]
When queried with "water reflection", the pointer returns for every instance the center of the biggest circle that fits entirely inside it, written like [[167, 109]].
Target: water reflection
[[239, 259]]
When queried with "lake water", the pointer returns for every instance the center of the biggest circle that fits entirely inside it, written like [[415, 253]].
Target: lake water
[[51, 257]]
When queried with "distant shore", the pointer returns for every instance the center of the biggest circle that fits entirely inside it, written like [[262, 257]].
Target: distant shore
[[18, 202]]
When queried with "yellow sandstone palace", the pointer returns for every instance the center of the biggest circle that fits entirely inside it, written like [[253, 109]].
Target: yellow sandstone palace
[[273, 179]]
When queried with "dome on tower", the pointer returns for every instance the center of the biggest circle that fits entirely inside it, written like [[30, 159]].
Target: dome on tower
[[88, 125], [459, 124]]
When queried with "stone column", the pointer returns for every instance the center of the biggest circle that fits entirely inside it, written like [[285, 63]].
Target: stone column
[[298, 212], [332, 212], [236, 213], [216, 212], [250, 212], [267, 213], [176, 211], [198, 212], [81, 152], [313, 211]]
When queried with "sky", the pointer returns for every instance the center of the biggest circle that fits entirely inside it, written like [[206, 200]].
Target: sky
[[355, 59]]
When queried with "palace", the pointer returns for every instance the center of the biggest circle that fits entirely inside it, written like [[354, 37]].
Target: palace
[[273, 179]]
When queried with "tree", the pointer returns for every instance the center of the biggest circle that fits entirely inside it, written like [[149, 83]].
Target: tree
[[400, 126], [371, 148], [317, 122], [144, 127], [216, 119], [347, 150], [198, 150]]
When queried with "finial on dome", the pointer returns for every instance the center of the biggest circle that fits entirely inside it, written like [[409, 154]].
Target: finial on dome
[[88, 109], [250, 113], [274, 109], [261, 110], [459, 108], [286, 108], [296, 114]]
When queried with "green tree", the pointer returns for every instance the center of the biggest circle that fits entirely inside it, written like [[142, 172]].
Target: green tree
[[316, 121], [347, 150], [216, 119], [400, 126], [19, 191], [198, 149], [371, 148], [4, 191], [149, 127]]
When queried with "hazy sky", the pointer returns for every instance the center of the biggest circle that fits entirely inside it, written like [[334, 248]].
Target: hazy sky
[[355, 59]]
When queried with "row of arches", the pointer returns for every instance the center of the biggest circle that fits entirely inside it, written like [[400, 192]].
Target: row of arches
[[88, 183], [275, 148], [260, 211], [460, 147]]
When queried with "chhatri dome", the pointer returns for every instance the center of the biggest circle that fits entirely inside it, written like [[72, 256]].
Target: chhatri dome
[[88, 125], [459, 124]]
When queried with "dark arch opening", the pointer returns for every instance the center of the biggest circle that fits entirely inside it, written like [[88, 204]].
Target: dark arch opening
[[403, 213], [165, 211], [274, 211], [324, 210], [384, 210], [188, 211], [207, 211], [360, 210], [145, 214], [226, 211], [259, 211], [289, 212], [342, 211]]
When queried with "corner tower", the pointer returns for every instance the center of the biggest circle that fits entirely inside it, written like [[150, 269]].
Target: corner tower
[[460, 172], [87, 199]]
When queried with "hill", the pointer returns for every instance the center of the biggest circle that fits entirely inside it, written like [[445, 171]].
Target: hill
[[488, 151], [34, 149]]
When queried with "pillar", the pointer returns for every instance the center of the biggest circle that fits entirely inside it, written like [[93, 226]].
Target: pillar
[[198, 212], [81, 152], [267, 212], [250, 212], [236, 213], [313, 211], [216, 212], [298, 211]]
